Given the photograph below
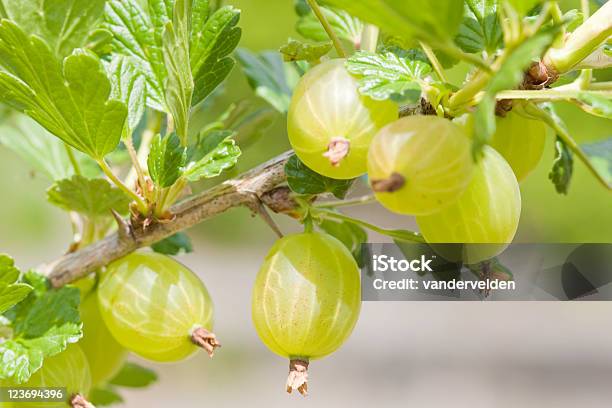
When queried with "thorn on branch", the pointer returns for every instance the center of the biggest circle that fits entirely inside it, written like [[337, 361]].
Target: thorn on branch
[[257, 207], [280, 200], [123, 227]]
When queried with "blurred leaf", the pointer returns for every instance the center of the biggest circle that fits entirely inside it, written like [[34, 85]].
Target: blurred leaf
[[595, 104], [430, 21], [509, 76], [345, 26], [481, 28], [134, 37], [64, 24], [179, 85], [388, 76], [563, 167], [90, 197], [133, 375], [351, 235], [222, 157], [104, 396], [266, 75], [298, 51], [100, 41], [128, 86], [72, 101], [11, 291], [523, 7], [173, 245], [166, 159], [600, 155], [211, 45], [303, 180]]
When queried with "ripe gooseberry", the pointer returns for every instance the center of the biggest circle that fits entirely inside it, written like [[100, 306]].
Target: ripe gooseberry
[[306, 300], [486, 213], [520, 141], [104, 354], [330, 124], [68, 369], [419, 164], [156, 307]]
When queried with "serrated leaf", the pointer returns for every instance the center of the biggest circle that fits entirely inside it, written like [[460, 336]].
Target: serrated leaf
[[64, 24], [388, 76], [71, 101], [303, 180], [11, 291], [481, 28], [166, 158], [90, 197], [128, 86], [563, 167], [595, 104], [104, 396], [222, 157], [298, 51], [351, 235], [431, 21], [9, 273], [507, 77], [345, 26], [134, 37], [206, 142], [179, 84], [174, 245], [600, 155], [21, 357], [133, 375], [211, 45], [266, 75]]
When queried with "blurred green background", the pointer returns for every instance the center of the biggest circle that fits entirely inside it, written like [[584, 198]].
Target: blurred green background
[[547, 354]]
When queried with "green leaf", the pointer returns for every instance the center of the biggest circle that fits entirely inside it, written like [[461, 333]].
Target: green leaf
[[600, 155], [21, 357], [90, 197], [267, 75], [134, 37], [298, 51], [128, 86], [254, 125], [174, 245], [11, 291], [430, 21], [563, 167], [345, 26], [211, 45], [179, 85], [166, 158], [351, 235], [303, 180], [64, 24], [133, 375], [104, 396], [523, 7], [44, 152], [481, 29], [508, 76], [206, 143], [388, 76], [222, 157], [72, 101], [595, 104]]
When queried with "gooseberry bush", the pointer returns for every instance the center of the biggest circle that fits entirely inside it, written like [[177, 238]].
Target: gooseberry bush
[[117, 103]]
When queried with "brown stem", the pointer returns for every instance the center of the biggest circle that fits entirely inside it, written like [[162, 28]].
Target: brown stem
[[205, 339], [298, 376], [393, 183], [79, 401], [232, 193]]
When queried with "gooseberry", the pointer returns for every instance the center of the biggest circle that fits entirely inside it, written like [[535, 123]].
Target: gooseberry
[[156, 307], [306, 300], [419, 164], [486, 213], [330, 124]]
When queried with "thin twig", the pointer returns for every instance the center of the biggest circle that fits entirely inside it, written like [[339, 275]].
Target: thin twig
[[434, 61], [73, 160], [327, 27]]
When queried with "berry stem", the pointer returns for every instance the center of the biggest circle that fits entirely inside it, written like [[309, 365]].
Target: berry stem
[[327, 27], [142, 207], [205, 339], [347, 203], [369, 38], [431, 55], [298, 376], [73, 160]]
